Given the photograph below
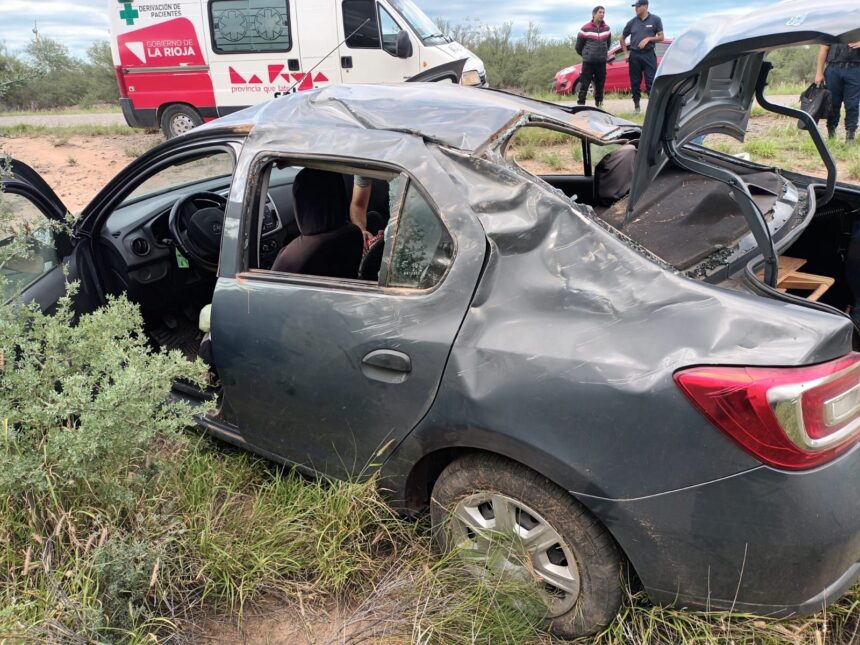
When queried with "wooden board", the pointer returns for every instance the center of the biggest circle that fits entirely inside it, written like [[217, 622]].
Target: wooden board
[[790, 277]]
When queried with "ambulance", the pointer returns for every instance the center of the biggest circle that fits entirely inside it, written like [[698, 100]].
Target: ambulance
[[180, 63]]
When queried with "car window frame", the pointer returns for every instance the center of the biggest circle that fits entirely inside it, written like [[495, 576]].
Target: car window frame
[[59, 239], [585, 144], [192, 154], [110, 197], [251, 196]]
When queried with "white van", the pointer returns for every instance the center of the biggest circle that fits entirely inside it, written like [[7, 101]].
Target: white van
[[182, 62]]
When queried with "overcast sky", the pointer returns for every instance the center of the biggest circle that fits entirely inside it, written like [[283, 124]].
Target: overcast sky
[[77, 23]]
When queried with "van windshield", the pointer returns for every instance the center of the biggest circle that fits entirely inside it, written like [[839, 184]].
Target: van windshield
[[427, 31]]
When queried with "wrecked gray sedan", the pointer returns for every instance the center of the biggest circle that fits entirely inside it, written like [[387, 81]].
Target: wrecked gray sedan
[[601, 379]]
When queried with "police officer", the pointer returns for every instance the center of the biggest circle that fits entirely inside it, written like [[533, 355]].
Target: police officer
[[842, 78], [644, 31]]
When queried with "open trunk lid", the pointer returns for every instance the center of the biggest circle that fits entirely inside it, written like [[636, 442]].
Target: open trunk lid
[[707, 79]]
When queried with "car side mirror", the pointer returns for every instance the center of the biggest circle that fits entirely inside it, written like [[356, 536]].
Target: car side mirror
[[404, 45]]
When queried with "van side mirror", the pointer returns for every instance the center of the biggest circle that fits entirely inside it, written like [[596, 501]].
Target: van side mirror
[[404, 45]]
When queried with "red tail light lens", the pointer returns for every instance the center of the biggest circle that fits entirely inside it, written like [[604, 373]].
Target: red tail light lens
[[788, 417], [120, 82]]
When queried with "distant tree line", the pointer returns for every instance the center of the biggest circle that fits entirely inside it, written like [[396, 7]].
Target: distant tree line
[[529, 62], [46, 75]]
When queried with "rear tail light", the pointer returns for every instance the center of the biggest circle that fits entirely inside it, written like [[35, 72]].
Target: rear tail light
[[788, 417], [120, 82]]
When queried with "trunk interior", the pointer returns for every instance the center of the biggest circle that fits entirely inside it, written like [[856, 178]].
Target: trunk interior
[[693, 223]]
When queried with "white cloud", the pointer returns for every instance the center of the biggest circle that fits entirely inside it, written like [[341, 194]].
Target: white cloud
[[76, 23]]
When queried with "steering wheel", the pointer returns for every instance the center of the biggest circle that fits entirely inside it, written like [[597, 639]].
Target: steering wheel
[[195, 224]]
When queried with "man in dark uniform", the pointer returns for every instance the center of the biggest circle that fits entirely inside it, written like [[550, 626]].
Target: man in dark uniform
[[644, 31], [842, 78]]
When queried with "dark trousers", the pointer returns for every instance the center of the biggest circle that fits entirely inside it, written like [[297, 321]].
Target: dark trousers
[[592, 73], [844, 86], [641, 63]]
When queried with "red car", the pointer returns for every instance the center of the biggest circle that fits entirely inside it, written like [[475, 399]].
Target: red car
[[617, 73]]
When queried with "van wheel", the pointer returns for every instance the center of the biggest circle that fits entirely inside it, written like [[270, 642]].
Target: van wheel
[[511, 521], [179, 119]]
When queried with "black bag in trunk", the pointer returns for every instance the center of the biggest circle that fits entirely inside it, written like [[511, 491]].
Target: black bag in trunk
[[817, 102]]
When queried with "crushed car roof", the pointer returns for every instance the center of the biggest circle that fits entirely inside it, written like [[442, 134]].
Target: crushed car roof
[[459, 117]]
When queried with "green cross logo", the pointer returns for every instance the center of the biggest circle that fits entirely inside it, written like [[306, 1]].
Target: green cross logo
[[129, 14]]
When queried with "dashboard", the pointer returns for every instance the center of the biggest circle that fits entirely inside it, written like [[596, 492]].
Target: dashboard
[[143, 260]]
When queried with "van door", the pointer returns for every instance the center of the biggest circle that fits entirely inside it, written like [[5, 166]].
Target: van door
[[254, 50], [318, 33], [369, 51]]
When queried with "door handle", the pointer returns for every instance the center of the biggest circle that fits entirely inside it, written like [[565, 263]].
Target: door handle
[[386, 365], [346, 62]]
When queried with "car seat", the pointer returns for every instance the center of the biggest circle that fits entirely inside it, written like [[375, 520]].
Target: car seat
[[328, 244], [613, 175]]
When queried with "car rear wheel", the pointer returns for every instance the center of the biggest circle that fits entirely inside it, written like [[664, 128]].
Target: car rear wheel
[[179, 119], [484, 505]]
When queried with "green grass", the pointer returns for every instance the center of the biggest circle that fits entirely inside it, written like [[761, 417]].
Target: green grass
[[221, 531], [554, 160], [854, 170], [538, 136], [632, 116], [527, 152], [103, 108], [26, 130], [785, 89], [762, 148]]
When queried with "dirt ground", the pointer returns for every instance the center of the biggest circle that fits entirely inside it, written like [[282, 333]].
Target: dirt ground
[[77, 167]]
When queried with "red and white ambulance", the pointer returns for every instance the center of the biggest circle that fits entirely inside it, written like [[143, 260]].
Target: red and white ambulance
[[182, 62]]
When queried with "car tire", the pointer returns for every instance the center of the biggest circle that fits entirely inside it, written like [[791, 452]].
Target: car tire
[[179, 119], [475, 486], [574, 91]]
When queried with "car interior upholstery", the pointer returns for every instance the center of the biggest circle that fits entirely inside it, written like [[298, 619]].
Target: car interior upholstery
[[328, 244]]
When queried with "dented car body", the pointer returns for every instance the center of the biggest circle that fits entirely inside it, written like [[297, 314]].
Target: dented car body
[[629, 354]]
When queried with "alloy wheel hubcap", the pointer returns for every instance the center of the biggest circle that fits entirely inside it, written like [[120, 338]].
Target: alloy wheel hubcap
[[513, 540]]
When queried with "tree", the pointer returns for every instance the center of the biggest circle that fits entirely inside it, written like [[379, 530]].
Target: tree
[[49, 76]]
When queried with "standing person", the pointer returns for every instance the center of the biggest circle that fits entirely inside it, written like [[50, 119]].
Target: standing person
[[592, 43], [644, 30], [842, 78]]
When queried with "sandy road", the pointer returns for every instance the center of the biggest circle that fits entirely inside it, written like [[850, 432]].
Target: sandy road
[[64, 120]]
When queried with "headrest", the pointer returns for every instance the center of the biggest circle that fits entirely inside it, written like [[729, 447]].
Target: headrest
[[320, 201]]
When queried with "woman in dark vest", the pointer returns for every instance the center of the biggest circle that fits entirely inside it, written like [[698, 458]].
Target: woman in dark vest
[[592, 43]]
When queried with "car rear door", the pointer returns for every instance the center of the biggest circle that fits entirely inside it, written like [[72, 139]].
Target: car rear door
[[330, 373]]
